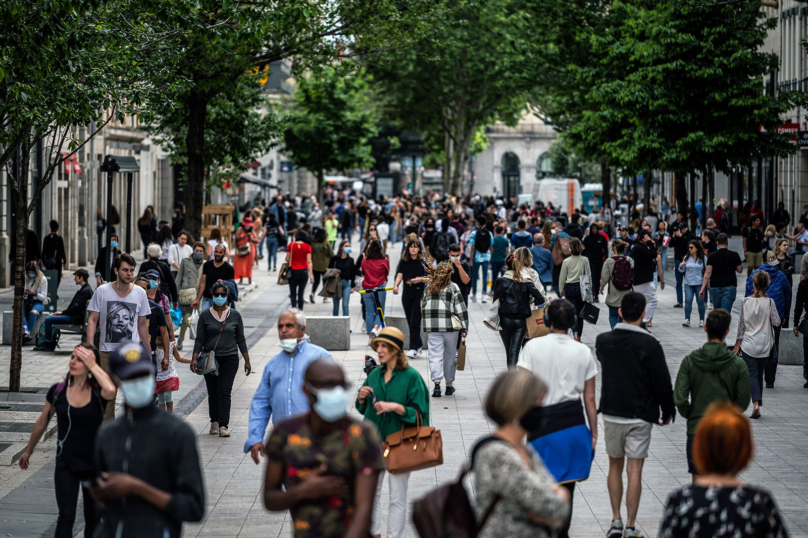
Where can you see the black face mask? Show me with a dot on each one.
(532, 420)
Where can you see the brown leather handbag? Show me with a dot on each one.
(413, 449)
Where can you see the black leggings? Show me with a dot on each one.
(411, 301)
(771, 366)
(67, 484)
(564, 531)
(219, 389)
(317, 276)
(572, 293)
(512, 334)
(298, 278)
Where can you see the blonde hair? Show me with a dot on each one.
(778, 243)
(511, 395)
(440, 278)
(524, 255)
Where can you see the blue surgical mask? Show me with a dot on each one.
(331, 404)
(152, 284)
(32, 275)
(219, 301)
(114, 244)
(138, 392)
(347, 250)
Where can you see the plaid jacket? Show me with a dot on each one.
(437, 310)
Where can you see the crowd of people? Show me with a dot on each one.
(530, 262)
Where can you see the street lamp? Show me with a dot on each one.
(111, 165)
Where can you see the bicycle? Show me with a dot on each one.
(379, 308)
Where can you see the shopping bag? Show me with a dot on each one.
(283, 274)
(535, 324)
(176, 316)
(586, 288)
(491, 319)
(461, 355)
(589, 313)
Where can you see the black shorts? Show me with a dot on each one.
(691, 465)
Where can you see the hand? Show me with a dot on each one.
(736, 349)
(395, 290)
(352, 290)
(194, 305)
(561, 491)
(463, 334)
(662, 286)
(86, 356)
(796, 331)
(113, 486)
(57, 313)
(666, 422)
(594, 442)
(247, 367)
(176, 305)
(311, 280)
(23, 461)
(385, 407)
(193, 365)
(701, 294)
(164, 364)
(364, 392)
(316, 485)
(256, 451)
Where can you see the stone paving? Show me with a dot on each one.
(233, 481)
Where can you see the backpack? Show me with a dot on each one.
(55, 335)
(446, 511)
(561, 250)
(622, 275)
(442, 243)
(482, 241)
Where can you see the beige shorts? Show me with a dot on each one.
(627, 440)
(754, 259)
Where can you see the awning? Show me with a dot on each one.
(71, 161)
(255, 180)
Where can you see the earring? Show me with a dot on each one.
(89, 376)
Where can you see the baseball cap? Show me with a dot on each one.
(130, 360)
(771, 258)
(152, 273)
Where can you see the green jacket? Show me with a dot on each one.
(710, 374)
(406, 387)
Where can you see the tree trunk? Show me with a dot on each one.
(704, 180)
(711, 196)
(15, 369)
(606, 182)
(448, 150)
(633, 205)
(692, 214)
(647, 182)
(680, 180)
(195, 147)
(320, 186)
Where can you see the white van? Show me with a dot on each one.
(564, 194)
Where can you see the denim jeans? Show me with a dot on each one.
(475, 271)
(50, 321)
(680, 277)
(614, 317)
(723, 297)
(371, 315)
(346, 298)
(29, 318)
(272, 252)
(497, 270)
(690, 293)
(261, 246)
(206, 304)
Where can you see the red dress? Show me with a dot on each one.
(243, 265)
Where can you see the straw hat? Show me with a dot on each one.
(390, 336)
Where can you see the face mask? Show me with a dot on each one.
(347, 250)
(138, 393)
(531, 421)
(152, 284)
(289, 345)
(197, 256)
(219, 301)
(32, 275)
(114, 244)
(331, 404)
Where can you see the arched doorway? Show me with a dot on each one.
(510, 175)
(544, 167)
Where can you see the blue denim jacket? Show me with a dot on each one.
(693, 270)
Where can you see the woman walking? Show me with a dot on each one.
(274, 235)
(569, 279)
(78, 403)
(784, 263)
(596, 248)
(147, 228)
(529, 502)
(693, 267)
(246, 239)
(298, 258)
(755, 338)
(53, 252)
(165, 239)
(321, 254)
(391, 398)
(36, 297)
(187, 281)
(343, 262)
(216, 240)
(221, 329)
(662, 239)
(444, 315)
(412, 271)
(258, 227)
(376, 268)
(514, 293)
(617, 274)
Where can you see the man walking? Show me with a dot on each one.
(323, 466)
(481, 242)
(711, 373)
(753, 245)
(120, 310)
(720, 274)
(542, 261)
(213, 271)
(680, 240)
(635, 386)
(521, 238)
(280, 392)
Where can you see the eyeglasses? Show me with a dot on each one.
(220, 294)
(691, 248)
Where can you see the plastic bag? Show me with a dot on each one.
(176, 316)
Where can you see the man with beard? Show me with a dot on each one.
(213, 271)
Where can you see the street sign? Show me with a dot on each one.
(286, 166)
(802, 139)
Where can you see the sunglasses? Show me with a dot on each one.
(220, 294)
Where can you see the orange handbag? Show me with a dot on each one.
(413, 449)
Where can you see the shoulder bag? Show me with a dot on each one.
(413, 449)
(188, 295)
(206, 360)
(244, 249)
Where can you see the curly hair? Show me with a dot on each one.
(440, 278)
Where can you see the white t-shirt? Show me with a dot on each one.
(118, 316)
(561, 362)
(176, 253)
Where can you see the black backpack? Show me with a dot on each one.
(482, 241)
(442, 243)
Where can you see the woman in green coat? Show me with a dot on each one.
(392, 396)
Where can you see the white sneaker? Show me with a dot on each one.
(701, 323)
(412, 353)
(686, 323)
(376, 331)
(485, 299)
(420, 350)
(473, 298)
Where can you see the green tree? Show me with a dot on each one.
(566, 161)
(330, 125)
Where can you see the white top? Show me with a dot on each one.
(758, 316)
(41, 291)
(165, 247)
(383, 229)
(561, 362)
(118, 316)
(162, 375)
(212, 243)
(176, 253)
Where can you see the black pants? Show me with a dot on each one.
(219, 389)
(411, 301)
(572, 293)
(67, 484)
(564, 531)
(512, 334)
(771, 366)
(556, 275)
(298, 278)
(805, 357)
(317, 276)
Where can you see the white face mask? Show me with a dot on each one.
(289, 345)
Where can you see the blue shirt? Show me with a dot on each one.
(280, 393)
(542, 263)
(481, 257)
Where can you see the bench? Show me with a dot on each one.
(69, 328)
(330, 332)
(400, 322)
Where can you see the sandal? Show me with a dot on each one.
(650, 323)
(755, 415)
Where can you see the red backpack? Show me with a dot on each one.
(622, 274)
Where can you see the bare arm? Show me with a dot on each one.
(92, 323)
(309, 267)
(591, 409)
(365, 491)
(143, 330)
(708, 272)
(39, 429)
(196, 303)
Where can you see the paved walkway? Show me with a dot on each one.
(233, 481)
